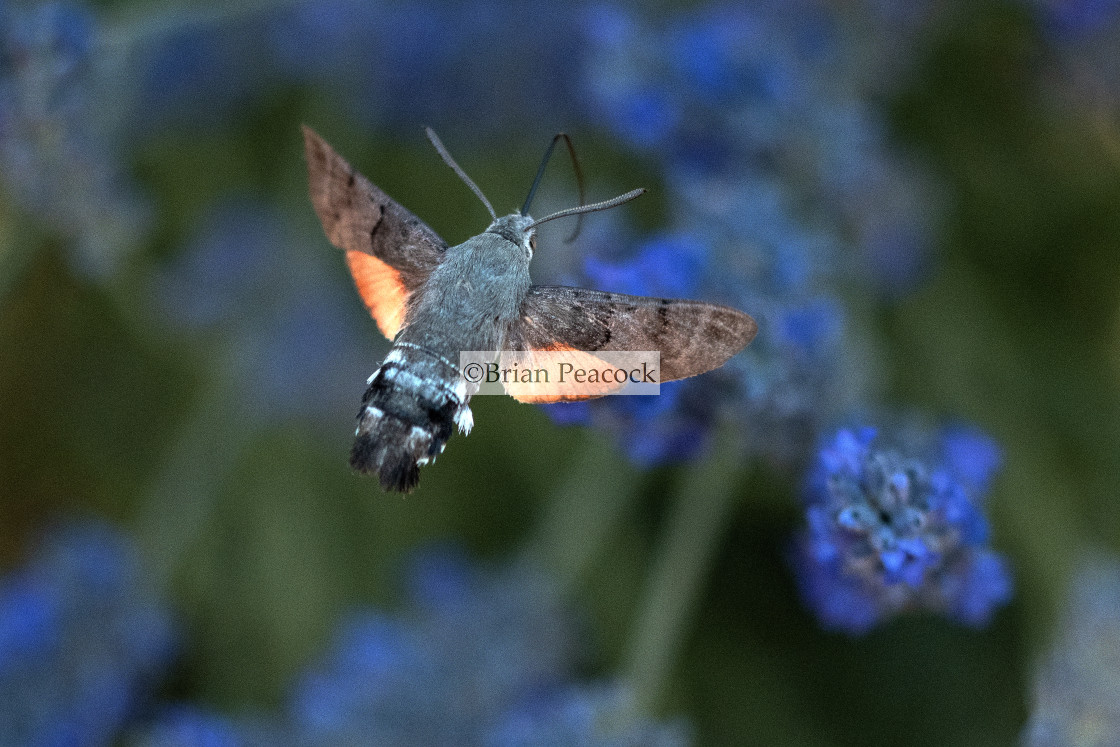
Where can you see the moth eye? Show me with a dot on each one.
(533, 243)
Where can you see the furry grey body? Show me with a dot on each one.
(474, 296)
(414, 400)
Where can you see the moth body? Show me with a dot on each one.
(416, 399)
(434, 301)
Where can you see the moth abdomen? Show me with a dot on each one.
(410, 409)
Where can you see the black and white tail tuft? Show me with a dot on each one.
(410, 409)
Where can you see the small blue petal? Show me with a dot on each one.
(665, 265)
(972, 456)
(440, 577)
(609, 25)
(983, 586)
(839, 602)
(892, 560)
(188, 726)
(703, 54)
(31, 620)
(810, 328)
(374, 645)
(1073, 19)
(569, 413)
(645, 116)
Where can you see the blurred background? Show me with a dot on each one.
(916, 201)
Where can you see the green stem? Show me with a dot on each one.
(583, 511)
(703, 506)
(185, 491)
(17, 251)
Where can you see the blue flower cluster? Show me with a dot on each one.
(412, 53)
(1077, 686)
(479, 657)
(69, 97)
(363, 56)
(469, 647)
(196, 71)
(58, 125)
(744, 101)
(1070, 20)
(288, 332)
(889, 531)
(484, 658)
(184, 725)
(778, 171)
(83, 640)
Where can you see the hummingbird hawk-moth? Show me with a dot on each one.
(434, 301)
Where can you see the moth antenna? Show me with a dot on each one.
(458, 170)
(592, 208)
(540, 174)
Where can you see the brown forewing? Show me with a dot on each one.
(389, 250)
(692, 336)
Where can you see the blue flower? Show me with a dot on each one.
(888, 533)
(477, 657)
(413, 54)
(651, 430)
(769, 93)
(190, 726)
(1076, 700)
(444, 670)
(674, 424)
(804, 330)
(646, 116)
(59, 139)
(1072, 19)
(596, 714)
(361, 56)
(293, 338)
(664, 265)
(198, 73)
(782, 187)
(971, 456)
(83, 639)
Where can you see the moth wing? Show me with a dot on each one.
(531, 386)
(389, 250)
(692, 336)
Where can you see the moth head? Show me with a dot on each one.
(518, 229)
